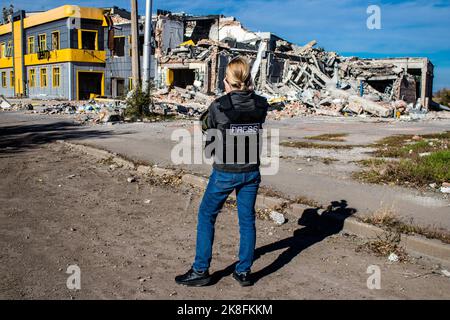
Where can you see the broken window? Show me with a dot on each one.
(197, 30)
(140, 46)
(55, 40)
(119, 46)
(42, 42)
(118, 87)
(183, 77)
(9, 49)
(382, 86)
(87, 40)
(417, 74)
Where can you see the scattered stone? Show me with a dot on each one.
(71, 176)
(148, 201)
(445, 273)
(277, 217)
(131, 179)
(445, 188)
(4, 104)
(393, 257)
(424, 154)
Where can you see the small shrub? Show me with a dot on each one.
(139, 103)
(443, 97)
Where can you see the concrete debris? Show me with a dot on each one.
(445, 188)
(393, 257)
(277, 217)
(192, 52)
(297, 80)
(131, 179)
(4, 104)
(94, 111)
(445, 272)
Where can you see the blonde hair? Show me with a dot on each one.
(238, 74)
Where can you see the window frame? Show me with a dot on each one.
(39, 42)
(41, 77)
(3, 79)
(31, 42)
(2, 49)
(124, 46)
(32, 77)
(80, 38)
(59, 39)
(11, 79)
(53, 77)
(9, 46)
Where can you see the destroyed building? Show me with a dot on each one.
(78, 53)
(196, 50)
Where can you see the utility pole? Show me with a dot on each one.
(134, 43)
(147, 46)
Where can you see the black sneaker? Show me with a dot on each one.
(244, 279)
(193, 278)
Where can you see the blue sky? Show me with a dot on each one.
(419, 28)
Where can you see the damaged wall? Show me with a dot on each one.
(305, 75)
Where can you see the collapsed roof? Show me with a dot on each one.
(192, 53)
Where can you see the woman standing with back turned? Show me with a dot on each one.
(238, 113)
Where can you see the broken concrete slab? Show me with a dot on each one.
(4, 103)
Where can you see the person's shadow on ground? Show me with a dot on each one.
(315, 229)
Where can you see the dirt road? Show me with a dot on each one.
(61, 208)
(301, 173)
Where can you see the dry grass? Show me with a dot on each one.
(263, 213)
(165, 180)
(422, 160)
(328, 161)
(384, 245)
(335, 137)
(270, 192)
(401, 146)
(307, 202)
(388, 220)
(107, 161)
(415, 172)
(312, 145)
(230, 204)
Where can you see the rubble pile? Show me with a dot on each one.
(324, 83)
(193, 51)
(84, 112)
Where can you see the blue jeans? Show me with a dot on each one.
(220, 185)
